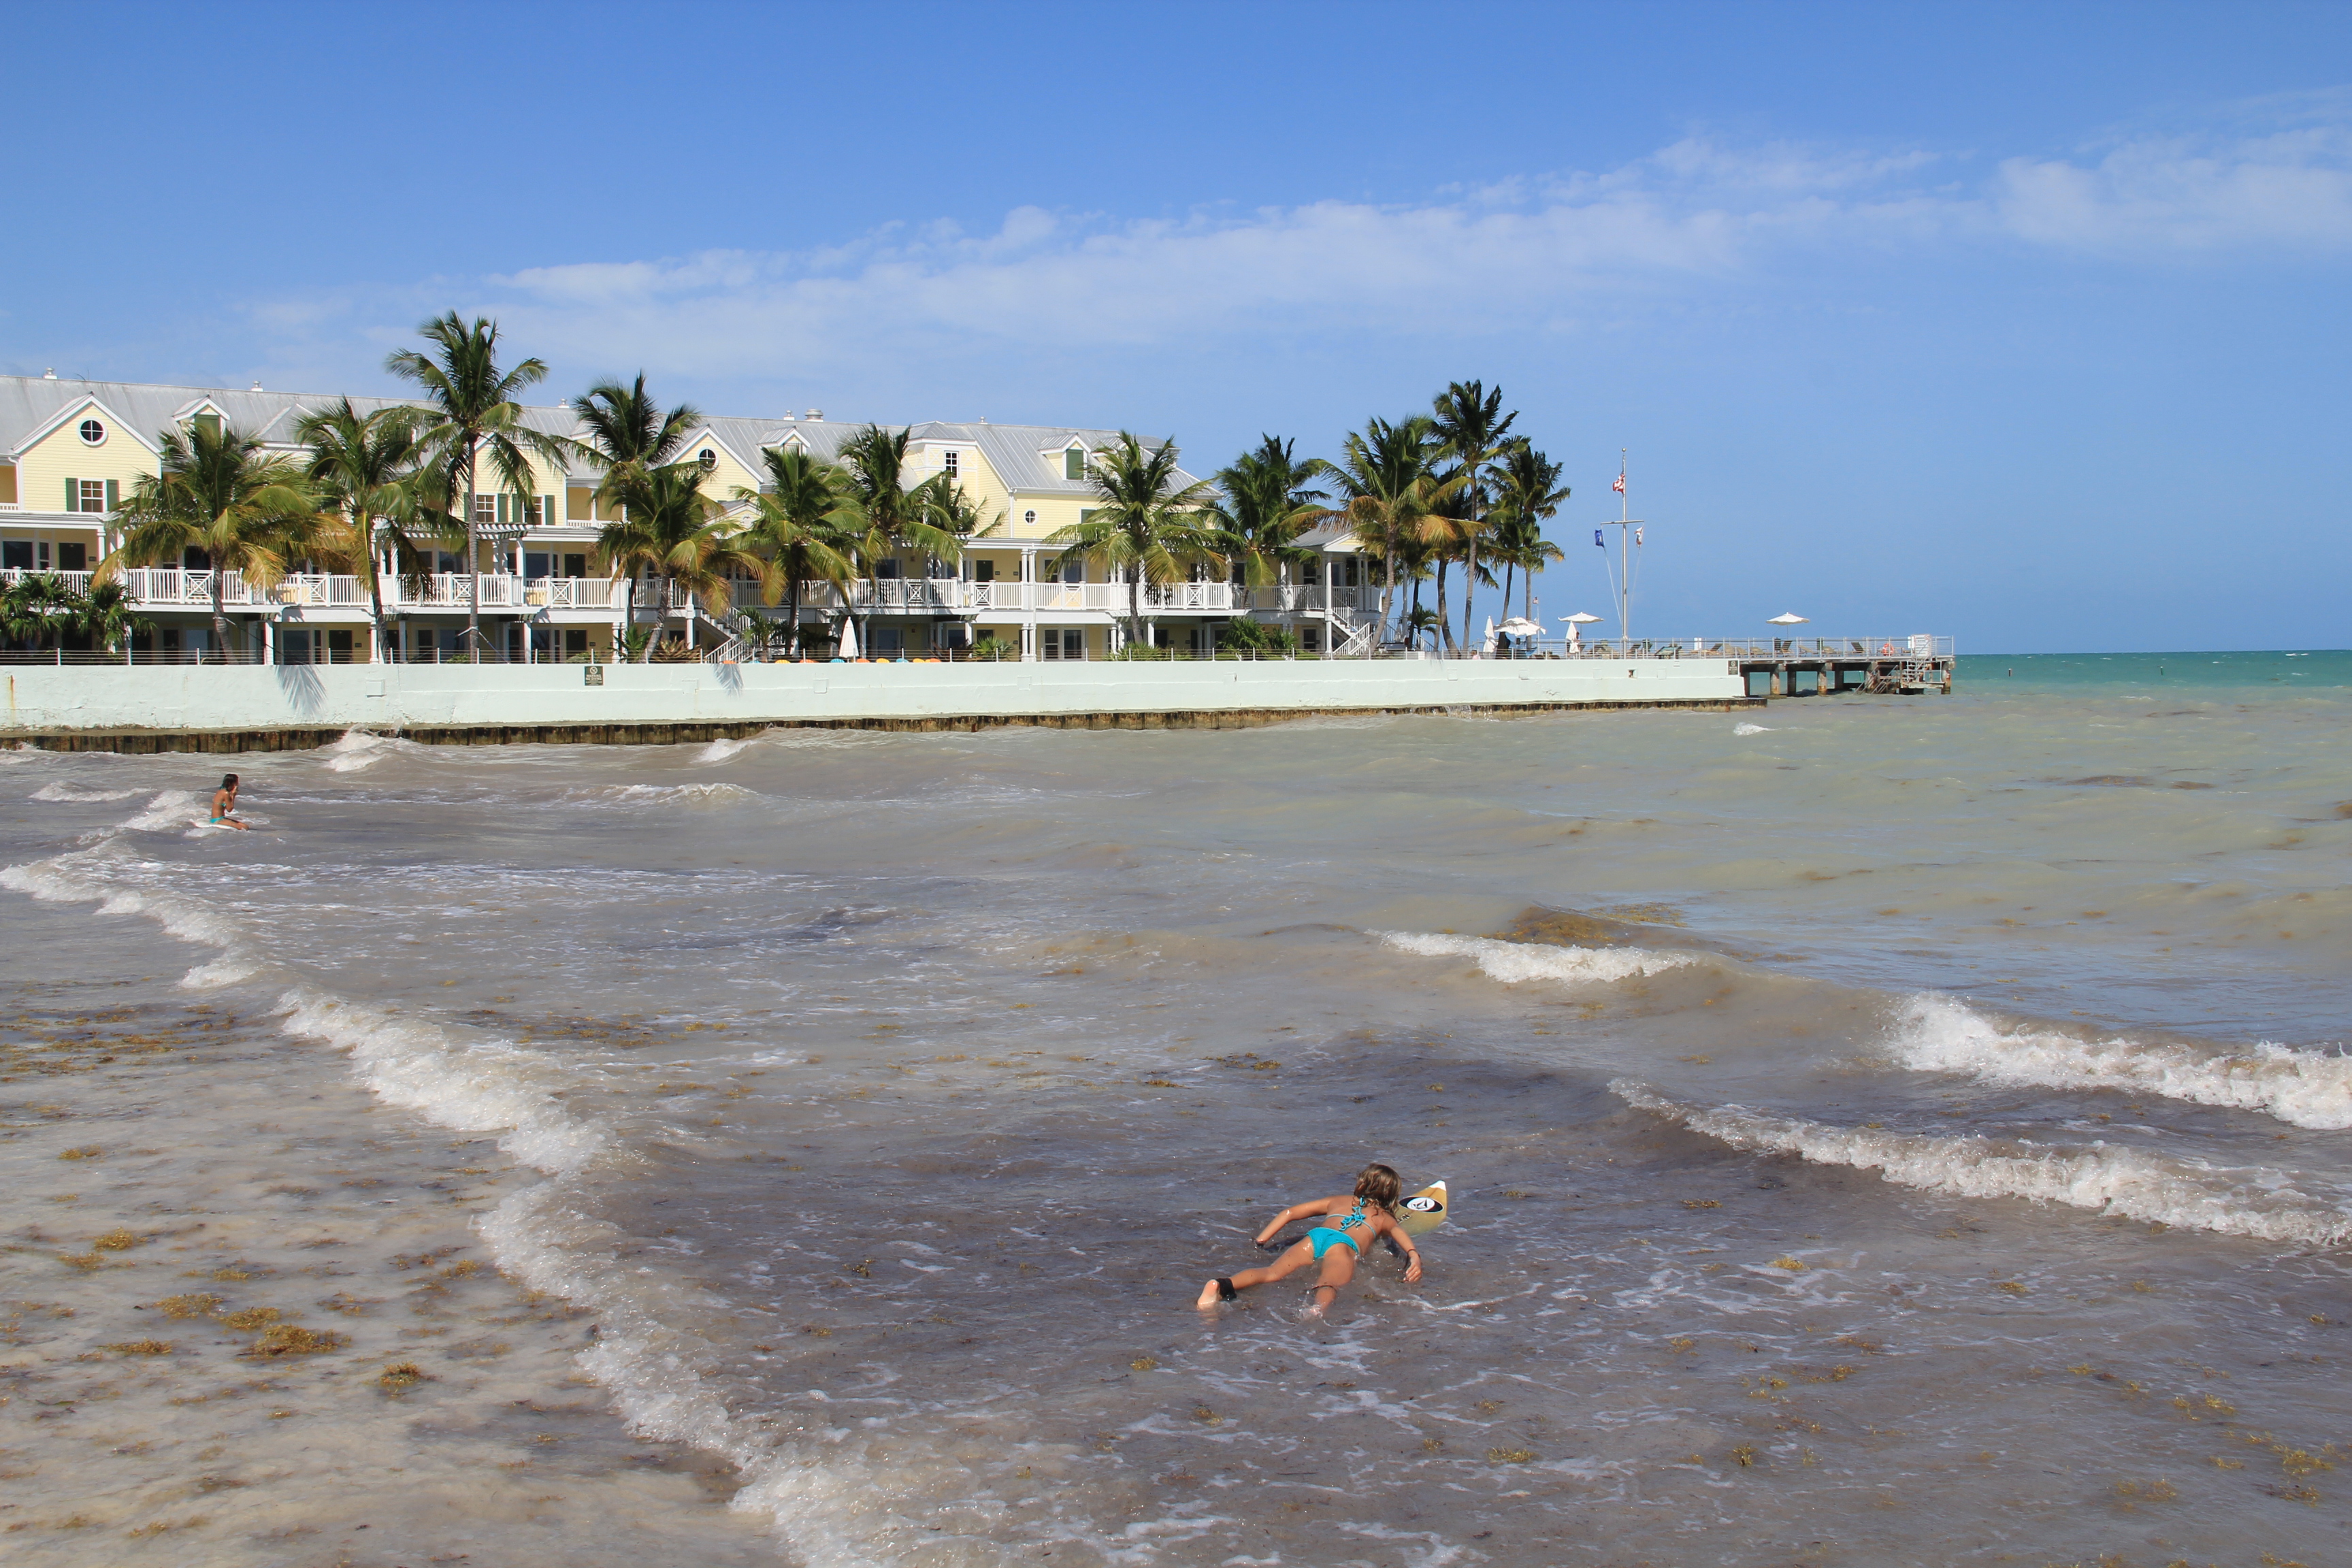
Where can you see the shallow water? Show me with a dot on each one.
(1882, 1131)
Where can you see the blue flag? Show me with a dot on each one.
(1596, 538)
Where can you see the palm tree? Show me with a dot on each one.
(39, 607)
(674, 531)
(1265, 500)
(887, 514)
(803, 521)
(367, 468)
(1470, 423)
(1527, 491)
(106, 615)
(217, 491)
(471, 413)
(1144, 525)
(627, 433)
(1387, 490)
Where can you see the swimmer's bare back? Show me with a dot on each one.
(224, 803)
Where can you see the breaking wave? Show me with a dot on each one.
(1513, 962)
(2305, 1088)
(67, 792)
(2247, 1200)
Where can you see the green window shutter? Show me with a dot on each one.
(113, 495)
(547, 511)
(503, 498)
(1074, 464)
(73, 494)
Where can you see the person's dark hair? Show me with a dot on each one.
(1379, 1184)
(229, 781)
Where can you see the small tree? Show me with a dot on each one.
(803, 522)
(38, 608)
(366, 469)
(628, 434)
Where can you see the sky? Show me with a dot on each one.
(2027, 325)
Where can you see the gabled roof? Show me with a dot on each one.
(1026, 458)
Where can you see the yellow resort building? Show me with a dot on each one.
(70, 451)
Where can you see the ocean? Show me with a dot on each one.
(1881, 1131)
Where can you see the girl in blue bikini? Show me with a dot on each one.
(1369, 1212)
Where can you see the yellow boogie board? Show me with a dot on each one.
(1424, 1211)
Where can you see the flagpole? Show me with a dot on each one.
(1624, 559)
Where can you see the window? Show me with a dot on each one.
(1061, 642)
(210, 424)
(485, 509)
(1074, 463)
(575, 642)
(72, 557)
(951, 470)
(16, 555)
(886, 570)
(983, 571)
(93, 433)
(194, 560)
(538, 564)
(707, 458)
(575, 566)
(41, 551)
(1074, 571)
(90, 495)
(1028, 520)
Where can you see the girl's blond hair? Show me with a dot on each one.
(1379, 1184)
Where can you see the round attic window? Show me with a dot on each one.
(1029, 518)
(93, 433)
(707, 458)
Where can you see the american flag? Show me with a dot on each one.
(1620, 486)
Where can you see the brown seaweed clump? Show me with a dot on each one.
(292, 1339)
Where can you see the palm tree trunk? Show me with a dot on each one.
(1508, 565)
(1388, 589)
(1444, 625)
(220, 620)
(1469, 580)
(474, 566)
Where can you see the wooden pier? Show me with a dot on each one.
(1823, 666)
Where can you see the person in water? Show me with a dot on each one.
(1367, 1213)
(225, 803)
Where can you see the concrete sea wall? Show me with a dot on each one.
(266, 707)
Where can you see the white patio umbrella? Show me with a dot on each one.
(1521, 626)
(1489, 647)
(1577, 623)
(1789, 619)
(847, 648)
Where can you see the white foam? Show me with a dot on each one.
(472, 1087)
(67, 792)
(704, 793)
(171, 808)
(2250, 1201)
(2305, 1088)
(1751, 728)
(219, 972)
(719, 750)
(1513, 962)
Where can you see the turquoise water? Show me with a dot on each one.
(2326, 668)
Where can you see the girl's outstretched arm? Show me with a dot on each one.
(1307, 1210)
(1411, 1253)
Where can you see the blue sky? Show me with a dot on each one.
(2027, 325)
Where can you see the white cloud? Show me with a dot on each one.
(1520, 256)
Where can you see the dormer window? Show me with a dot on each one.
(1074, 463)
(209, 423)
(93, 433)
(707, 458)
(950, 465)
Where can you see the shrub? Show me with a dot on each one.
(1246, 636)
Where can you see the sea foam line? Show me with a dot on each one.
(1513, 962)
(655, 1375)
(2305, 1088)
(2250, 1201)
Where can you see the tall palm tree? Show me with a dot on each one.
(1470, 422)
(887, 515)
(627, 433)
(217, 491)
(674, 531)
(107, 617)
(470, 414)
(1144, 525)
(1388, 490)
(1527, 492)
(802, 522)
(1265, 500)
(366, 468)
